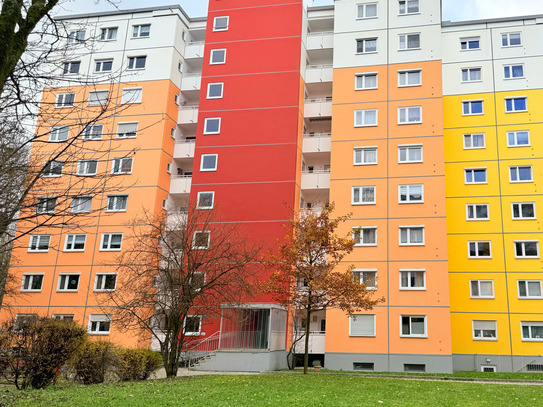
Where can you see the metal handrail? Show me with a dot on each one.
(201, 349)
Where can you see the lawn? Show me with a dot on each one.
(286, 390)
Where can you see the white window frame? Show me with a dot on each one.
(107, 238)
(530, 324)
(202, 162)
(120, 165)
(35, 240)
(479, 295)
(364, 76)
(513, 109)
(137, 31)
(106, 32)
(473, 182)
(61, 289)
(356, 316)
(99, 318)
(516, 169)
(217, 50)
(225, 28)
(30, 278)
(507, 38)
(409, 287)
(193, 333)
(523, 249)
(470, 104)
(408, 199)
(404, 76)
(92, 132)
(363, 122)
(362, 150)
(477, 256)
(528, 296)
(87, 199)
(99, 65)
(76, 36)
(208, 233)
(84, 168)
(49, 166)
(510, 68)
(126, 134)
(408, 148)
(58, 134)
(468, 71)
(43, 204)
(468, 40)
(473, 207)
(68, 66)
(67, 317)
(520, 210)
(408, 229)
(361, 272)
(113, 200)
(411, 335)
(484, 338)
(207, 120)
(470, 137)
(406, 7)
(359, 231)
(361, 202)
(133, 61)
(405, 112)
(209, 85)
(138, 96)
(361, 11)
(102, 289)
(364, 45)
(71, 239)
(199, 196)
(405, 39)
(514, 135)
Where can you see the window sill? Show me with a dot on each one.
(359, 164)
(38, 251)
(486, 339)
(409, 49)
(472, 114)
(362, 203)
(412, 289)
(366, 53)
(477, 220)
(365, 125)
(404, 123)
(357, 89)
(479, 81)
(409, 86)
(98, 333)
(410, 202)
(414, 336)
(31, 291)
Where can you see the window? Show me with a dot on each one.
(408, 7)
(205, 200)
(192, 325)
(408, 41)
(66, 317)
(523, 210)
(46, 204)
(365, 156)
(212, 125)
(409, 154)
(367, 10)
(532, 331)
(366, 45)
(517, 104)
(81, 204)
(214, 90)
(200, 239)
(99, 324)
(24, 320)
(75, 242)
(105, 282)
(471, 74)
(472, 107)
(53, 169)
(414, 367)
(220, 23)
(71, 67)
(208, 162)
(98, 97)
(365, 81)
(475, 176)
(76, 36)
(479, 249)
(172, 133)
(218, 56)
(122, 165)
(169, 167)
(365, 236)
(111, 241)
(366, 366)
(527, 249)
(470, 43)
(65, 100)
(32, 282)
(87, 167)
(410, 115)
(413, 326)
(141, 31)
(412, 279)
(366, 277)
(39, 243)
(127, 130)
(103, 65)
(411, 235)
(366, 117)
(68, 282)
(131, 95)
(518, 138)
(529, 289)
(363, 195)
(477, 212)
(474, 140)
(137, 62)
(60, 133)
(485, 331)
(93, 132)
(362, 325)
(410, 78)
(108, 34)
(511, 40)
(481, 288)
(411, 193)
(116, 203)
(513, 71)
(520, 173)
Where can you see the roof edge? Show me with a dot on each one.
(491, 20)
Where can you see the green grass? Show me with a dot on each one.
(286, 390)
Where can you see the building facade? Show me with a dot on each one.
(426, 131)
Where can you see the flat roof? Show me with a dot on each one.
(490, 20)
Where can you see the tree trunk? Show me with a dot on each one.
(306, 350)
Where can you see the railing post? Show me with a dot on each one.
(220, 330)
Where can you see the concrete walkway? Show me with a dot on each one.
(185, 372)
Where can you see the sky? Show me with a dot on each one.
(453, 10)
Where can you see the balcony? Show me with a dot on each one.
(321, 107)
(180, 185)
(191, 82)
(318, 74)
(316, 180)
(320, 40)
(176, 219)
(194, 50)
(316, 343)
(184, 149)
(187, 115)
(317, 143)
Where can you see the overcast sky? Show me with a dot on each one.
(453, 10)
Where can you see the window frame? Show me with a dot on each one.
(56, 132)
(211, 54)
(364, 75)
(474, 208)
(353, 202)
(84, 165)
(124, 134)
(76, 36)
(364, 42)
(128, 101)
(137, 29)
(530, 338)
(469, 40)
(30, 277)
(132, 63)
(100, 63)
(408, 148)
(121, 161)
(43, 206)
(408, 200)
(515, 138)
(69, 65)
(363, 7)
(363, 149)
(73, 237)
(207, 120)
(208, 233)
(360, 335)
(209, 85)
(99, 318)
(484, 338)
(405, 110)
(409, 287)
(507, 38)
(520, 211)
(361, 272)
(411, 335)
(49, 166)
(470, 104)
(198, 197)
(477, 256)
(523, 246)
(479, 295)
(202, 169)
(98, 99)
(115, 198)
(104, 290)
(105, 31)
(64, 289)
(468, 71)
(363, 122)
(38, 238)
(511, 76)
(358, 236)
(471, 141)
(406, 73)
(109, 242)
(193, 333)
(405, 38)
(473, 182)
(89, 133)
(408, 228)
(516, 169)
(528, 296)
(512, 99)
(83, 198)
(225, 28)
(406, 6)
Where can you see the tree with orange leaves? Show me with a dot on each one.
(304, 265)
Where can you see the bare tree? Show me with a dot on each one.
(176, 270)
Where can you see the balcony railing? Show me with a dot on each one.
(318, 107)
(316, 180)
(318, 73)
(184, 149)
(316, 342)
(317, 143)
(194, 50)
(187, 115)
(180, 184)
(320, 40)
(190, 82)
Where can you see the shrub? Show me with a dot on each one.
(137, 364)
(95, 362)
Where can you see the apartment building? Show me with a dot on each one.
(426, 131)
